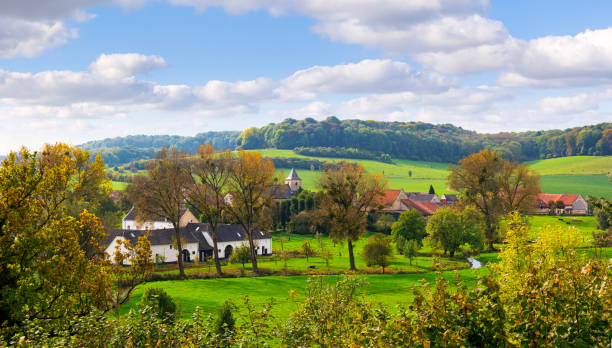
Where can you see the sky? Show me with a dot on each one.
(79, 70)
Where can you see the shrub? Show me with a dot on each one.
(377, 251)
(224, 324)
(161, 303)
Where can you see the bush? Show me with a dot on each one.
(377, 251)
(224, 324)
(343, 152)
(161, 303)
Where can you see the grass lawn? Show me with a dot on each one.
(210, 294)
(119, 186)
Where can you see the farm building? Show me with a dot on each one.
(563, 204)
(129, 221)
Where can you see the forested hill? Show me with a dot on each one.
(120, 150)
(356, 139)
(429, 142)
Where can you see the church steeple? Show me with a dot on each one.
(293, 180)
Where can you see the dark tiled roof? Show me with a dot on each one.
(280, 191)
(131, 215)
(451, 198)
(189, 234)
(421, 196)
(231, 232)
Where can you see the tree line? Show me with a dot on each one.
(429, 142)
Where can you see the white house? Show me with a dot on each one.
(196, 241)
(129, 221)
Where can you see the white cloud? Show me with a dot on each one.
(19, 37)
(366, 76)
(573, 104)
(125, 65)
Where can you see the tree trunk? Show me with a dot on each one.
(253, 253)
(216, 251)
(351, 256)
(452, 253)
(179, 246)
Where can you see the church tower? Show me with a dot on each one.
(294, 181)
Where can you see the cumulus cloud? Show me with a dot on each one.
(366, 76)
(19, 37)
(125, 65)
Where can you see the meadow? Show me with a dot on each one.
(585, 175)
(393, 288)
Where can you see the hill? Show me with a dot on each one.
(585, 175)
(372, 139)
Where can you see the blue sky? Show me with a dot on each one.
(78, 70)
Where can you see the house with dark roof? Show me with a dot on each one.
(571, 204)
(196, 241)
(449, 199)
(424, 197)
(279, 192)
(129, 221)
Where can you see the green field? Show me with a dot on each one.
(585, 175)
(210, 294)
(573, 165)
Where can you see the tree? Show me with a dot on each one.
(431, 190)
(349, 192)
(445, 229)
(207, 197)
(603, 219)
(495, 186)
(407, 247)
(410, 226)
(307, 249)
(161, 194)
(163, 304)
(225, 322)
(251, 177)
(377, 251)
(241, 254)
(52, 266)
(450, 228)
(552, 207)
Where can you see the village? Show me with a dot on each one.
(197, 239)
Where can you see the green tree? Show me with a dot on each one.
(349, 192)
(377, 251)
(431, 190)
(163, 304)
(407, 247)
(241, 254)
(445, 229)
(410, 226)
(225, 322)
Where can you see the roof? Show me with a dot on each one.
(566, 199)
(425, 208)
(293, 175)
(450, 197)
(189, 234)
(389, 197)
(230, 232)
(421, 196)
(131, 215)
(280, 191)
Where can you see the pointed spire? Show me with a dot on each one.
(293, 175)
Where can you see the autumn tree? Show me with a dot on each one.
(250, 180)
(52, 266)
(450, 228)
(349, 193)
(161, 193)
(207, 195)
(495, 185)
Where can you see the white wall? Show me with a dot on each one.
(259, 245)
(166, 250)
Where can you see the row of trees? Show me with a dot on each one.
(423, 141)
